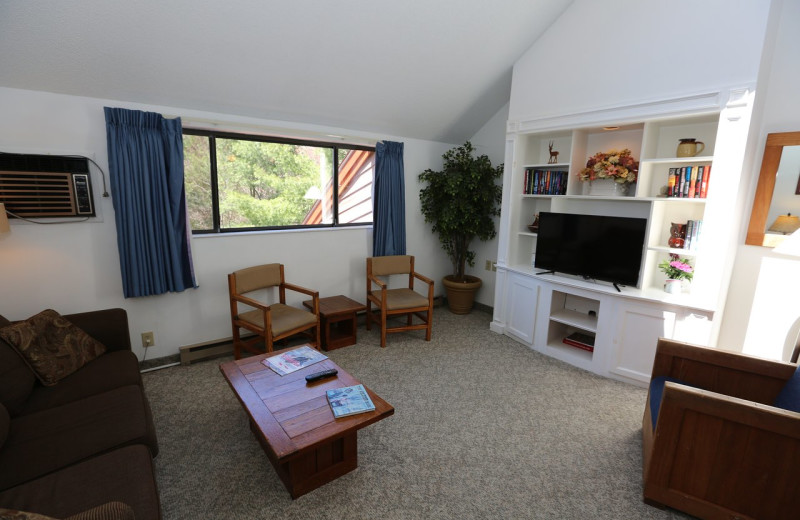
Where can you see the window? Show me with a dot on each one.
(238, 182)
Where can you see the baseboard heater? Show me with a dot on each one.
(207, 350)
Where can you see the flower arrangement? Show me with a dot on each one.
(617, 165)
(677, 268)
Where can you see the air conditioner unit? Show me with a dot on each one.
(46, 186)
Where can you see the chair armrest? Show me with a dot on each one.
(251, 302)
(297, 288)
(376, 281)
(725, 372)
(423, 278)
(712, 455)
(108, 326)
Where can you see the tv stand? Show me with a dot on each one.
(546, 272)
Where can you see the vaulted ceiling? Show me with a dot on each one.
(427, 69)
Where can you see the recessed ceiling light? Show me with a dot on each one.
(610, 128)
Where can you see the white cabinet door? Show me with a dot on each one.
(638, 328)
(521, 307)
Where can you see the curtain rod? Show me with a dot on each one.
(275, 131)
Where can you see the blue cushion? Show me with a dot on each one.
(789, 398)
(656, 391)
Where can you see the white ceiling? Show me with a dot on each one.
(427, 69)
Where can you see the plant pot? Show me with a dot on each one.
(608, 188)
(673, 286)
(461, 295)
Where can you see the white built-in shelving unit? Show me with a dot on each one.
(540, 310)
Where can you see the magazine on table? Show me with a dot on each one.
(349, 400)
(294, 360)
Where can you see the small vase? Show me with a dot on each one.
(607, 188)
(672, 286)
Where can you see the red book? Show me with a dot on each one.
(581, 341)
(706, 179)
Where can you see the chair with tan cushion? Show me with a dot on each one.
(398, 301)
(269, 322)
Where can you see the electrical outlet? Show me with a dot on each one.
(148, 340)
(488, 265)
(494, 266)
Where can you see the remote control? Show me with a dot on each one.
(316, 376)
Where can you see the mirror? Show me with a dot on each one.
(778, 191)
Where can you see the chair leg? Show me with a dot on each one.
(318, 344)
(429, 322)
(383, 327)
(237, 343)
(368, 315)
(268, 342)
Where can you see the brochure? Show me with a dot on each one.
(294, 360)
(349, 400)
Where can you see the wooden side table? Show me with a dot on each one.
(338, 320)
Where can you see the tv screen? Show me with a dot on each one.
(592, 246)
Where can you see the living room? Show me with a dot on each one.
(653, 52)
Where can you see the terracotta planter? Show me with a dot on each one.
(461, 295)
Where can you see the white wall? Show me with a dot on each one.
(489, 140)
(603, 54)
(75, 267)
(763, 301)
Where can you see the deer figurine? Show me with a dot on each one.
(553, 155)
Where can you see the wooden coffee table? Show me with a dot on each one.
(338, 320)
(294, 423)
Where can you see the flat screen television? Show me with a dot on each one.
(595, 247)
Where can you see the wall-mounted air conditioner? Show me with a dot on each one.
(46, 186)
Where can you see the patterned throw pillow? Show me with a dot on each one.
(51, 345)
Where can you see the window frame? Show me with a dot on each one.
(212, 135)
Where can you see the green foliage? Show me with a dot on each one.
(461, 201)
(260, 184)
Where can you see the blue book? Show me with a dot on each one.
(349, 400)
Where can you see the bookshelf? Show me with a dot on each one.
(625, 324)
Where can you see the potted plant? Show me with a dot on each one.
(616, 167)
(461, 201)
(676, 269)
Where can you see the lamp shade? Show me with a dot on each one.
(4, 225)
(785, 224)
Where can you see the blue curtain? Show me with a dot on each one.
(145, 160)
(389, 214)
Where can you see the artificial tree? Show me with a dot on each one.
(461, 202)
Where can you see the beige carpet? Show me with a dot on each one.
(483, 428)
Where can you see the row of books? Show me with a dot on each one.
(689, 182)
(693, 229)
(545, 182)
(581, 341)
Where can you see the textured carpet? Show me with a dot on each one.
(483, 428)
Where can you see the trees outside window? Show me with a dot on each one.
(239, 182)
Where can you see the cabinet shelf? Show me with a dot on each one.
(575, 319)
(671, 250)
(678, 160)
(559, 166)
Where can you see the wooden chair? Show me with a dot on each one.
(394, 302)
(269, 323)
(714, 445)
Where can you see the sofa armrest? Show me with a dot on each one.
(722, 371)
(108, 326)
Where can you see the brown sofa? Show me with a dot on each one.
(84, 446)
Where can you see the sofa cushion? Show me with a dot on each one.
(13, 514)
(51, 345)
(107, 372)
(656, 392)
(5, 424)
(108, 511)
(52, 439)
(123, 475)
(789, 398)
(16, 378)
